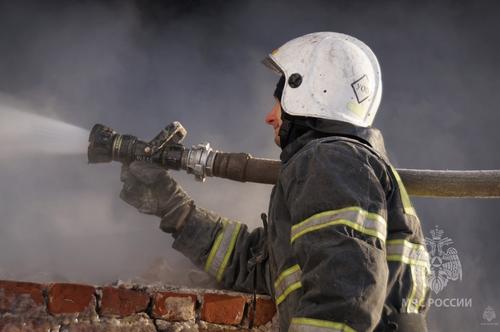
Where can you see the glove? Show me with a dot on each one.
(151, 190)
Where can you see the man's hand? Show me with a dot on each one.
(151, 190)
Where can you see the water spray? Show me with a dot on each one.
(106, 145)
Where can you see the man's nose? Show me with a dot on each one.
(270, 119)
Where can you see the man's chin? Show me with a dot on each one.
(277, 141)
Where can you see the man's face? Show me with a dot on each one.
(273, 118)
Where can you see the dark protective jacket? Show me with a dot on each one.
(343, 250)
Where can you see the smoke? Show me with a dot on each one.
(137, 66)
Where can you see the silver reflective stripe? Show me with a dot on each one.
(287, 282)
(418, 290)
(354, 217)
(407, 252)
(301, 324)
(416, 256)
(222, 248)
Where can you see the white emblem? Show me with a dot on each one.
(445, 264)
(489, 314)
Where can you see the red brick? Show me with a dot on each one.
(174, 306)
(11, 293)
(70, 298)
(265, 310)
(123, 302)
(223, 309)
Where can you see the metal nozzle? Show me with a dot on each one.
(101, 141)
(199, 161)
(106, 145)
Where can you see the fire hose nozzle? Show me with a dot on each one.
(106, 145)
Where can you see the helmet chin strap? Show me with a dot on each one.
(286, 120)
(280, 85)
(285, 130)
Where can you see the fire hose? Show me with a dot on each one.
(106, 145)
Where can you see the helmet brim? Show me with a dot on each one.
(271, 64)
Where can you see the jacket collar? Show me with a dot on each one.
(325, 128)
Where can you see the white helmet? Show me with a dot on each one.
(329, 75)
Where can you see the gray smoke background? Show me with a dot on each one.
(137, 66)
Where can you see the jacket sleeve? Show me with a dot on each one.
(338, 210)
(226, 250)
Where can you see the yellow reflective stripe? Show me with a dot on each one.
(286, 273)
(355, 217)
(369, 215)
(287, 292)
(300, 324)
(222, 248)
(340, 222)
(287, 282)
(406, 252)
(405, 198)
(213, 251)
(228, 252)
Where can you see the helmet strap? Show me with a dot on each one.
(278, 91)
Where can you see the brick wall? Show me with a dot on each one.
(26, 306)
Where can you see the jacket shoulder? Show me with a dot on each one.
(323, 149)
(334, 154)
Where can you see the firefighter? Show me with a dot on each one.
(343, 248)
